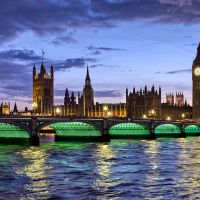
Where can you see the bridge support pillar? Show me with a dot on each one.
(182, 129)
(34, 133)
(152, 129)
(105, 133)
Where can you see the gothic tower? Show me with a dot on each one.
(88, 94)
(196, 85)
(43, 84)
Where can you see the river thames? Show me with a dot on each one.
(121, 169)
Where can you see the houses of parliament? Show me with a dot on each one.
(143, 103)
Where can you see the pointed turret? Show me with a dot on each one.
(134, 90)
(145, 89)
(197, 58)
(42, 69)
(153, 89)
(34, 70)
(126, 92)
(15, 110)
(51, 70)
(66, 99)
(87, 79)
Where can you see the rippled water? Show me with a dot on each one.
(159, 169)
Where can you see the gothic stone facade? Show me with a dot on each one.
(43, 87)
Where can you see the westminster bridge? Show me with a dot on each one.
(14, 129)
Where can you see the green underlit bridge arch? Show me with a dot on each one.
(168, 129)
(12, 131)
(129, 129)
(192, 129)
(78, 129)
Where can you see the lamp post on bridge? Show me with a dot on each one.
(34, 107)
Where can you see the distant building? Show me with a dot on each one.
(43, 90)
(179, 99)
(143, 103)
(170, 99)
(15, 110)
(5, 108)
(147, 104)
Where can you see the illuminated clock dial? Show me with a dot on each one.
(197, 71)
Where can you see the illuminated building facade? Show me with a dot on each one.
(147, 104)
(5, 108)
(143, 103)
(43, 87)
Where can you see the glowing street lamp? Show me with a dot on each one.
(109, 114)
(168, 118)
(105, 110)
(34, 106)
(183, 115)
(58, 111)
(144, 116)
(153, 112)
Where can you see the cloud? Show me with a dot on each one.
(67, 39)
(18, 54)
(97, 50)
(47, 18)
(179, 71)
(108, 93)
(16, 71)
(73, 62)
(175, 71)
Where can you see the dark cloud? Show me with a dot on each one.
(17, 54)
(16, 71)
(175, 71)
(97, 50)
(179, 71)
(60, 40)
(50, 17)
(108, 93)
(73, 62)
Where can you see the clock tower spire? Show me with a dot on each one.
(196, 85)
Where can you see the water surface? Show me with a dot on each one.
(121, 169)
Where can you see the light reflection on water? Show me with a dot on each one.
(121, 169)
(35, 169)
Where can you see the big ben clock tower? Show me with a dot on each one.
(196, 85)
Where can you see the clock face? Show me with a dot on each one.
(197, 71)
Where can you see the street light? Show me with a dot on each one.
(105, 111)
(105, 108)
(144, 116)
(109, 114)
(34, 106)
(168, 118)
(57, 111)
(183, 115)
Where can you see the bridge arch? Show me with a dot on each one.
(167, 129)
(72, 128)
(192, 129)
(128, 129)
(14, 130)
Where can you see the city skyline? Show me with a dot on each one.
(137, 48)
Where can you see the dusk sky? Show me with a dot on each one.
(124, 42)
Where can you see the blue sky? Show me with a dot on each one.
(124, 42)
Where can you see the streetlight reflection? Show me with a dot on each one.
(35, 170)
(105, 156)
